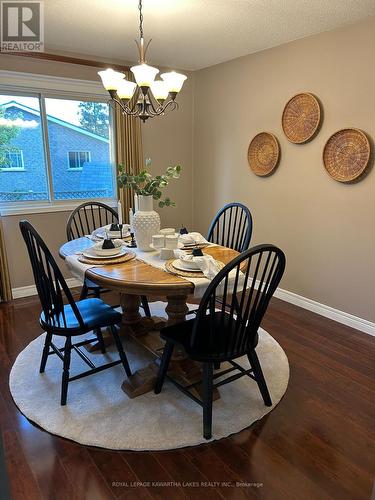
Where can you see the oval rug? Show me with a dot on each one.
(99, 413)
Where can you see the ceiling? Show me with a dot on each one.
(191, 34)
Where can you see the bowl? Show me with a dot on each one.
(101, 232)
(107, 252)
(188, 265)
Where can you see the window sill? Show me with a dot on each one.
(24, 208)
(74, 169)
(16, 169)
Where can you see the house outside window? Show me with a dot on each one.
(76, 159)
(42, 136)
(13, 160)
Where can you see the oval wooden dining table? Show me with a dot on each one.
(133, 279)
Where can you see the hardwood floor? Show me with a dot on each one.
(317, 444)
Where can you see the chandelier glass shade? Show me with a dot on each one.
(146, 97)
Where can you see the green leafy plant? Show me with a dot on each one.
(147, 185)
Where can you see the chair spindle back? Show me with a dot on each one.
(49, 281)
(232, 227)
(87, 217)
(236, 301)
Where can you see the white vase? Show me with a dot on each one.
(146, 223)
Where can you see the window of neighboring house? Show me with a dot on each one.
(13, 160)
(76, 159)
(47, 132)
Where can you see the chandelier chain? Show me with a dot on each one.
(140, 18)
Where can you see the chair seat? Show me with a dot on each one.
(223, 334)
(95, 314)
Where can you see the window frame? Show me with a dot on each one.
(75, 169)
(44, 87)
(15, 169)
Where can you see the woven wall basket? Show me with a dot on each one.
(346, 154)
(301, 118)
(263, 154)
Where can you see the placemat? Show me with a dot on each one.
(187, 274)
(102, 262)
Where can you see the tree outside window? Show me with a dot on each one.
(7, 134)
(93, 116)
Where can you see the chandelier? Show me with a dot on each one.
(147, 97)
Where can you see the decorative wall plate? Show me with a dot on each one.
(263, 153)
(346, 154)
(301, 118)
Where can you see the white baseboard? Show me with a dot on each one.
(28, 291)
(329, 312)
(342, 317)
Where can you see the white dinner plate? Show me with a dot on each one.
(107, 252)
(183, 266)
(90, 254)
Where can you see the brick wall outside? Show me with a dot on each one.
(94, 180)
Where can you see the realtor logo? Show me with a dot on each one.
(22, 26)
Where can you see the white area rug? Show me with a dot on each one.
(98, 412)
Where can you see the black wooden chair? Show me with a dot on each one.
(71, 319)
(223, 334)
(83, 221)
(232, 227)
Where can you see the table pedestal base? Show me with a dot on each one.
(181, 369)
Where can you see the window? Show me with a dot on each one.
(40, 135)
(13, 160)
(78, 158)
(21, 132)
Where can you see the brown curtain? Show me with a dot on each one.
(5, 287)
(129, 152)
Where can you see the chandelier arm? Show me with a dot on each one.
(152, 101)
(134, 107)
(143, 109)
(151, 112)
(135, 98)
(171, 103)
(160, 108)
(164, 108)
(124, 107)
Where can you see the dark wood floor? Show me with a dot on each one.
(317, 444)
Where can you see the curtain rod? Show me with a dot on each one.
(69, 60)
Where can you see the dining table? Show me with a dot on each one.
(131, 280)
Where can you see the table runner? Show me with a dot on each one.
(153, 259)
(78, 269)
